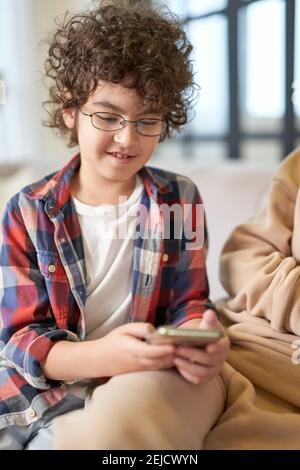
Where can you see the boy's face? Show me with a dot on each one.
(104, 153)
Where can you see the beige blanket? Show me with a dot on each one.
(263, 380)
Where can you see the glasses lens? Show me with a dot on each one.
(113, 122)
(151, 127)
(107, 121)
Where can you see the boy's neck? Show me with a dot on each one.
(101, 192)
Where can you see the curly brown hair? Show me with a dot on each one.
(120, 38)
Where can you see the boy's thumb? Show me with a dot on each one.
(209, 320)
(140, 329)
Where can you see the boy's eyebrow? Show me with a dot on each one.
(109, 105)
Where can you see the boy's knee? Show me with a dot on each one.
(141, 410)
(125, 391)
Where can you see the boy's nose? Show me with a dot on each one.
(128, 135)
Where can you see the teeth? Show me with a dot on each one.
(120, 156)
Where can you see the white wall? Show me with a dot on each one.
(19, 119)
(44, 15)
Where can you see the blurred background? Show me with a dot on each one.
(247, 117)
(246, 61)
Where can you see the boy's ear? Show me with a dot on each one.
(69, 117)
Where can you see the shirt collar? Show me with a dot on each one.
(155, 179)
(56, 189)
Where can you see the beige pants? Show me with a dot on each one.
(143, 410)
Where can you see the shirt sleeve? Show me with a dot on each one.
(191, 290)
(260, 261)
(28, 327)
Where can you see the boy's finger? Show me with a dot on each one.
(138, 329)
(157, 351)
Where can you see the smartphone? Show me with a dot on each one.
(183, 336)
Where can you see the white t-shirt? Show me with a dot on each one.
(108, 240)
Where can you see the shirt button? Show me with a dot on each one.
(165, 258)
(51, 268)
(31, 413)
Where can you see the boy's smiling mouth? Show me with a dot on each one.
(121, 157)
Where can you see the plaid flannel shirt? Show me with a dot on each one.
(44, 281)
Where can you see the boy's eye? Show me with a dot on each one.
(107, 118)
(149, 122)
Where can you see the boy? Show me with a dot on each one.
(78, 298)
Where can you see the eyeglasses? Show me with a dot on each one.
(110, 122)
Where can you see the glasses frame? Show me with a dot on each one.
(124, 122)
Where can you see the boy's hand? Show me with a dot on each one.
(200, 365)
(124, 350)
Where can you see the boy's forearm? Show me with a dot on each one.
(70, 361)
